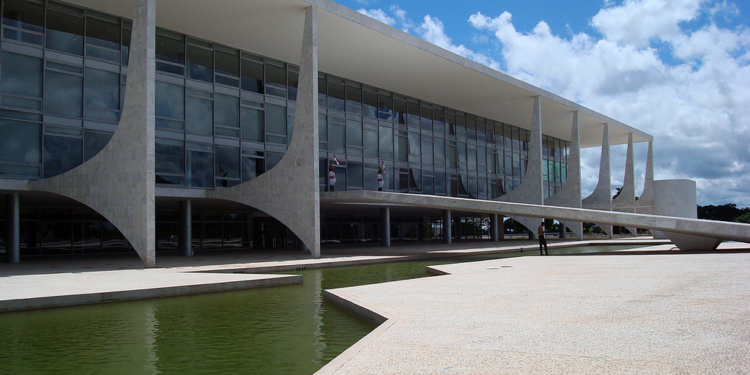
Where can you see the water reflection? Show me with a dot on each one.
(281, 330)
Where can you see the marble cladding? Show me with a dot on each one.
(119, 182)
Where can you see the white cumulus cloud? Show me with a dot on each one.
(696, 104)
(379, 15)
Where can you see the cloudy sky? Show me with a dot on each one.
(676, 69)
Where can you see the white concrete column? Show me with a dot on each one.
(185, 239)
(447, 232)
(625, 201)
(570, 194)
(644, 204)
(12, 228)
(385, 226)
(289, 192)
(531, 189)
(119, 182)
(601, 197)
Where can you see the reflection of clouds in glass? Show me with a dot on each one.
(63, 94)
(19, 142)
(200, 169)
(21, 74)
(199, 118)
(65, 42)
(61, 154)
(102, 89)
(170, 100)
(170, 156)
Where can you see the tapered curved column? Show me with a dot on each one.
(644, 204)
(531, 188)
(289, 192)
(119, 182)
(600, 198)
(570, 194)
(625, 201)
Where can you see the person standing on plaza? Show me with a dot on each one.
(542, 239)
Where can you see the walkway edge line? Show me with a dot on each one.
(141, 294)
(372, 315)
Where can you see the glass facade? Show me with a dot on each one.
(225, 116)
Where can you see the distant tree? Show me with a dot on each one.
(743, 218)
(725, 212)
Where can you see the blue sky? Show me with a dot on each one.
(676, 69)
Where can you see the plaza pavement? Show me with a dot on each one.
(86, 279)
(666, 313)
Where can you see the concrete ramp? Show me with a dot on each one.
(707, 229)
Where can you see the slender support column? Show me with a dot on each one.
(185, 240)
(447, 235)
(531, 189)
(601, 198)
(570, 194)
(625, 201)
(13, 228)
(289, 192)
(385, 226)
(494, 228)
(119, 182)
(644, 204)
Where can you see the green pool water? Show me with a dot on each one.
(280, 330)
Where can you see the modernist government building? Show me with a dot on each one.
(182, 125)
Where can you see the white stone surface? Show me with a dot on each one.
(601, 197)
(570, 194)
(119, 182)
(620, 314)
(289, 192)
(531, 188)
(714, 229)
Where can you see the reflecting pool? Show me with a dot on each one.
(279, 330)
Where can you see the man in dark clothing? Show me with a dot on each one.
(542, 240)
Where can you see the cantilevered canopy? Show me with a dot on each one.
(356, 47)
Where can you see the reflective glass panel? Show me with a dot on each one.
(253, 128)
(336, 138)
(199, 116)
(200, 63)
(170, 49)
(170, 100)
(170, 156)
(200, 172)
(370, 104)
(102, 89)
(401, 148)
(227, 63)
(64, 32)
(21, 74)
(61, 154)
(336, 96)
(439, 147)
(252, 76)
(293, 82)
(371, 143)
(275, 80)
(275, 119)
(440, 183)
(63, 94)
(354, 175)
(227, 110)
(93, 142)
(386, 142)
(20, 142)
(251, 168)
(399, 110)
(354, 133)
(426, 152)
(227, 164)
(24, 15)
(102, 34)
(354, 99)
(272, 158)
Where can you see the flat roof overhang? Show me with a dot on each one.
(356, 47)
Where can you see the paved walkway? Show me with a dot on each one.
(610, 314)
(75, 280)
